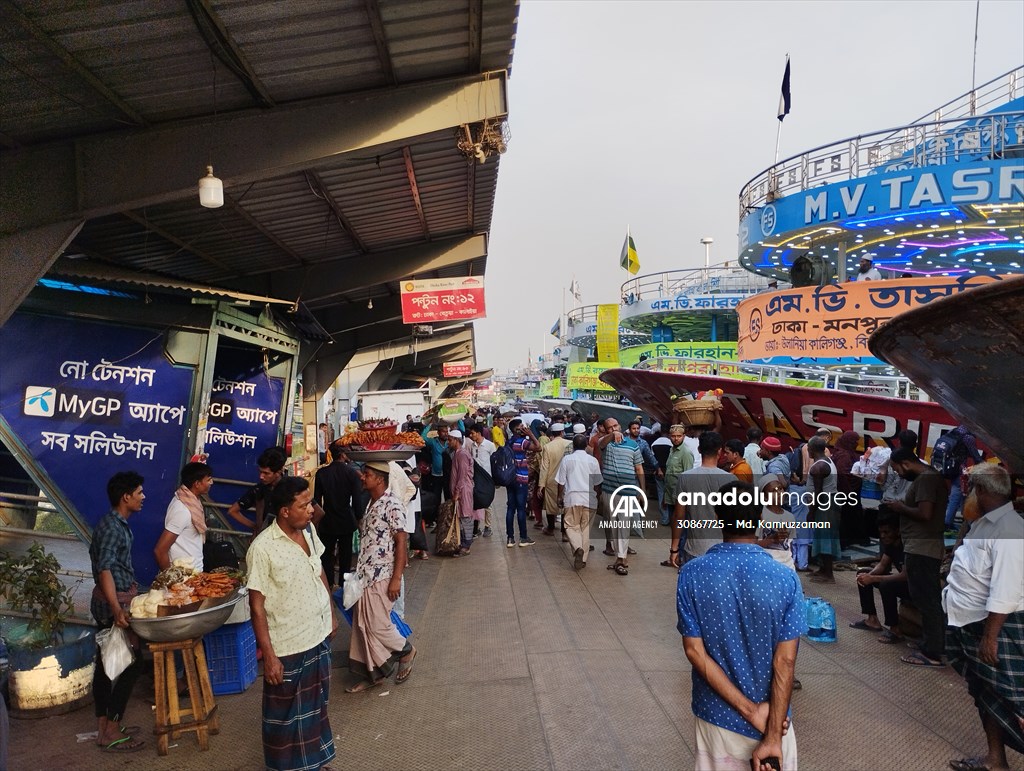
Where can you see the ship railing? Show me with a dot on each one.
(951, 134)
(722, 278)
(867, 384)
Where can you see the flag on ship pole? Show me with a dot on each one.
(628, 259)
(784, 104)
(574, 289)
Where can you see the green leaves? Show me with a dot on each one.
(30, 584)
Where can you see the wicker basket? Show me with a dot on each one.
(699, 413)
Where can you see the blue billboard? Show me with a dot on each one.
(89, 399)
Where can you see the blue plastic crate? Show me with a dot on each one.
(231, 658)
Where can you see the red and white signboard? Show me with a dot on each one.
(457, 369)
(443, 299)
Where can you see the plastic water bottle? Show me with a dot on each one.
(828, 622)
(813, 605)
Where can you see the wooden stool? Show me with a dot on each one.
(203, 714)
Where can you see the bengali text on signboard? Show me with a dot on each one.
(443, 299)
(834, 321)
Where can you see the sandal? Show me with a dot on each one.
(920, 660)
(889, 638)
(630, 551)
(363, 685)
(127, 744)
(666, 564)
(622, 570)
(968, 764)
(608, 552)
(864, 625)
(405, 668)
(817, 578)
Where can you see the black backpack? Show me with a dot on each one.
(483, 487)
(503, 466)
(949, 455)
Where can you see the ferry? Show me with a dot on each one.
(937, 207)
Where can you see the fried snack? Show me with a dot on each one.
(214, 585)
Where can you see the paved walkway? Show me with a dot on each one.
(525, 664)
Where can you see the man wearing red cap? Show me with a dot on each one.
(774, 461)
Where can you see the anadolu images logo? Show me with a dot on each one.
(628, 502)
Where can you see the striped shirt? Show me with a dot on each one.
(519, 445)
(618, 464)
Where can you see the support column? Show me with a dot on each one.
(841, 263)
(26, 256)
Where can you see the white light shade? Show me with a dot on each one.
(211, 190)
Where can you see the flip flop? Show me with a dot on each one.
(130, 730)
(666, 564)
(630, 551)
(864, 625)
(608, 553)
(404, 670)
(621, 570)
(127, 744)
(362, 685)
(920, 660)
(821, 579)
(968, 764)
(888, 638)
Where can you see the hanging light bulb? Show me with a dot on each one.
(369, 305)
(211, 190)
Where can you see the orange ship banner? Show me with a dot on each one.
(827, 324)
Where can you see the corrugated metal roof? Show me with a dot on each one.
(73, 70)
(89, 270)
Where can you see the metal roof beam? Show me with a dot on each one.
(381, 40)
(219, 40)
(377, 343)
(318, 284)
(476, 26)
(140, 220)
(236, 207)
(11, 12)
(410, 172)
(112, 172)
(335, 207)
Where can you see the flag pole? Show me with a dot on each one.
(778, 139)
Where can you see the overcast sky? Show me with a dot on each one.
(655, 114)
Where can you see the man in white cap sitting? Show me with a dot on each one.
(550, 459)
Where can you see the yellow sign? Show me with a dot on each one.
(608, 333)
(583, 376)
(724, 351)
(835, 321)
(550, 387)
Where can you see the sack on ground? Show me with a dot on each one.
(483, 487)
(116, 652)
(448, 533)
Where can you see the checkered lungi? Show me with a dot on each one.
(296, 731)
(997, 690)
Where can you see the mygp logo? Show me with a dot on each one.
(628, 502)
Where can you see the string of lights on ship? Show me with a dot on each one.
(941, 241)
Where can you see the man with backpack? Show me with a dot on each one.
(482, 450)
(953, 454)
(518, 486)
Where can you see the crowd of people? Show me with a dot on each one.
(739, 597)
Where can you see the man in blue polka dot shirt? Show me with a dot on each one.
(741, 615)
